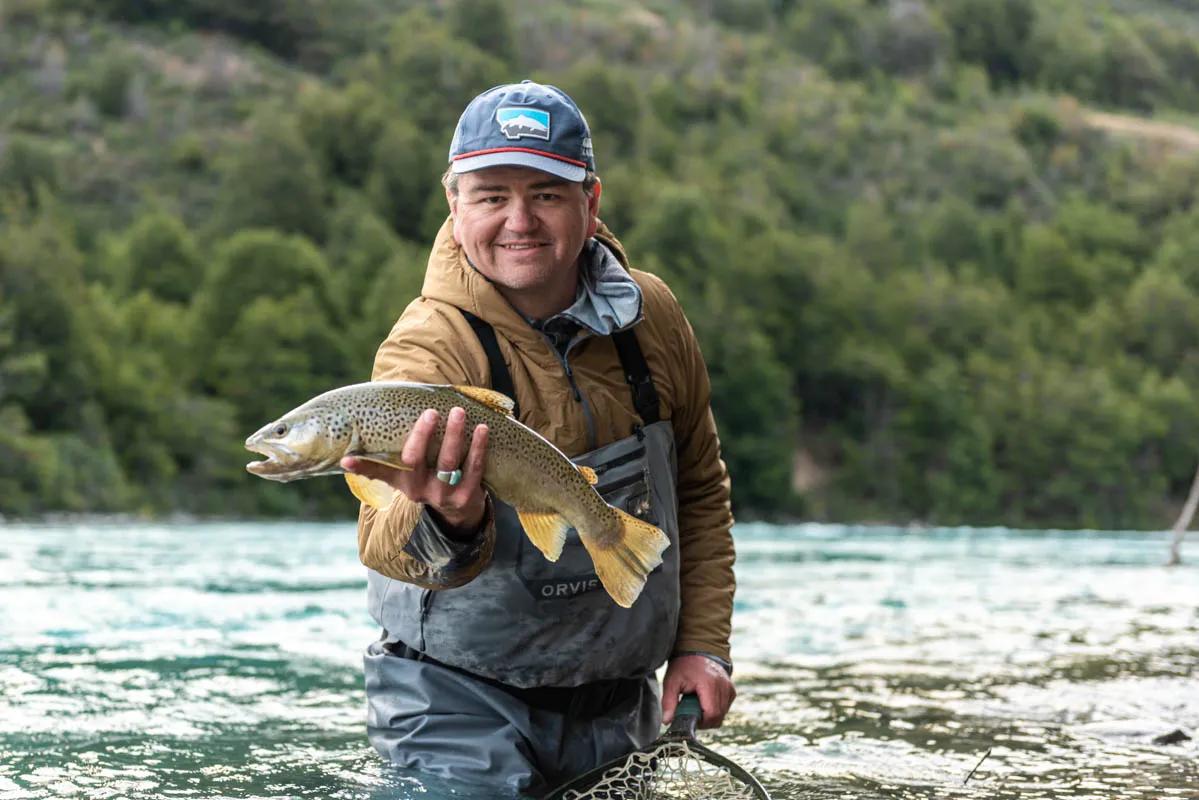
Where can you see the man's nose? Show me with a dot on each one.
(520, 217)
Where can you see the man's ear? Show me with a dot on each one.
(593, 206)
(451, 199)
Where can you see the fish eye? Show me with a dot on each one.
(280, 429)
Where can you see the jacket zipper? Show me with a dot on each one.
(588, 417)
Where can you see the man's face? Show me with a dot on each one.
(523, 228)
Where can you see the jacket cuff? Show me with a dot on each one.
(449, 558)
(727, 665)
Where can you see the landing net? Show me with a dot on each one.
(670, 771)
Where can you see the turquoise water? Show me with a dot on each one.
(221, 660)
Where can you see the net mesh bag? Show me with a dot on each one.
(671, 771)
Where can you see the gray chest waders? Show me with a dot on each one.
(525, 622)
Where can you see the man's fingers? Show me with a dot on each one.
(713, 710)
(453, 443)
(723, 693)
(670, 701)
(672, 687)
(416, 448)
(476, 458)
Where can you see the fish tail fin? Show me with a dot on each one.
(545, 529)
(624, 564)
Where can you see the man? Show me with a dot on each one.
(496, 665)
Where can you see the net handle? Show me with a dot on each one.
(686, 717)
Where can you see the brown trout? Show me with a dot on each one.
(551, 495)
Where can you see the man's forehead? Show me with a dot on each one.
(509, 177)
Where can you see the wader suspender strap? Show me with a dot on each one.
(636, 372)
(501, 379)
(632, 361)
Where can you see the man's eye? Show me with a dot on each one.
(491, 201)
(548, 196)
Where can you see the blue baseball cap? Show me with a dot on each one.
(523, 124)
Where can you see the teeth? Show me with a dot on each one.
(521, 246)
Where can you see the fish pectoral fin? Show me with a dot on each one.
(545, 529)
(494, 400)
(589, 474)
(375, 494)
(624, 565)
(386, 459)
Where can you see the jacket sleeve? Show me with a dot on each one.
(706, 578)
(403, 541)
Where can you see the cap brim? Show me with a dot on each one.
(561, 169)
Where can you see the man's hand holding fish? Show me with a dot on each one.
(461, 508)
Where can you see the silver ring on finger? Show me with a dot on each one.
(450, 476)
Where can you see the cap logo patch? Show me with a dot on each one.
(522, 121)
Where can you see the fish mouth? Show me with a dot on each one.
(279, 464)
(284, 464)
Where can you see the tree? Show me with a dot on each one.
(451, 72)
(273, 180)
(1159, 319)
(486, 25)
(41, 279)
(993, 33)
(342, 127)
(403, 177)
(255, 264)
(28, 166)
(161, 256)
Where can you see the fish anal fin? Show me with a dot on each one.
(589, 474)
(375, 494)
(386, 459)
(545, 529)
(624, 564)
(494, 400)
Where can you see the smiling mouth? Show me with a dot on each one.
(523, 246)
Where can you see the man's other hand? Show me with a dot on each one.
(693, 674)
(460, 508)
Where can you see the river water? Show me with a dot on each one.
(223, 660)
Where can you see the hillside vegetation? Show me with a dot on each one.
(939, 253)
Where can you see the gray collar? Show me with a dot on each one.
(608, 299)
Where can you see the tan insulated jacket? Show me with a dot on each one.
(433, 343)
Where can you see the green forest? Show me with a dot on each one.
(942, 255)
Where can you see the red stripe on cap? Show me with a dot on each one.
(532, 150)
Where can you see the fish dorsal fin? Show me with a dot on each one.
(375, 494)
(488, 397)
(386, 459)
(589, 474)
(545, 529)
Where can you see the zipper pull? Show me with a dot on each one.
(570, 376)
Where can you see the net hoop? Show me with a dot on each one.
(674, 769)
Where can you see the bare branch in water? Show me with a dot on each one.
(976, 766)
(1183, 522)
